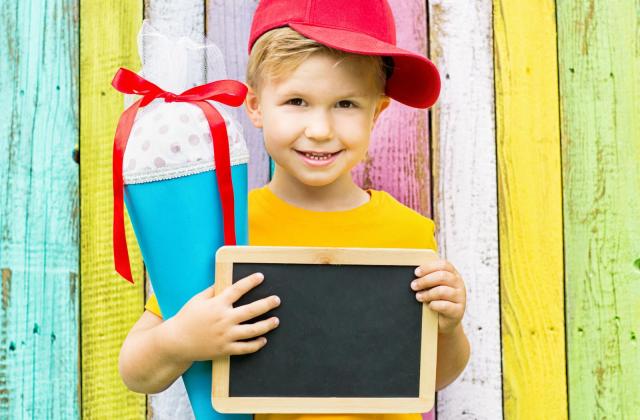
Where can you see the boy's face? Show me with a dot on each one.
(318, 108)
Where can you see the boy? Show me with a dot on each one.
(318, 83)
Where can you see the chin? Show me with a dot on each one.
(317, 182)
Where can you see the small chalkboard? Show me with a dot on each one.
(352, 336)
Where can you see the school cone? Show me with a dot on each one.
(185, 198)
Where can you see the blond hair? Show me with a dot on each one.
(278, 52)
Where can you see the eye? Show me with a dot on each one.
(295, 101)
(346, 104)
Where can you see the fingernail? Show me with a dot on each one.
(418, 297)
(276, 321)
(277, 300)
(260, 276)
(263, 339)
(414, 284)
(418, 271)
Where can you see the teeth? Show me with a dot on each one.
(318, 157)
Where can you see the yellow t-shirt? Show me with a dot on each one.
(382, 222)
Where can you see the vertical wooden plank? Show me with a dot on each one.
(398, 158)
(38, 211)
(175, 19)
(530, 209)
(110, 305)
(173, 402)
(228, 23)
(465, 199)
(599, 55)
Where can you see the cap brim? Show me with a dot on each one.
(415, 80)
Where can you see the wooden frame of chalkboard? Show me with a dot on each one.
(401, 382)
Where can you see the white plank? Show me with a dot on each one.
(174, 18)
(465, 198)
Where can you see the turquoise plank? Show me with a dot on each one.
(39, 330)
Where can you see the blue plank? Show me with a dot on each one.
(39, 310)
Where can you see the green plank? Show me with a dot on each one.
(38, 210)
(599, 56)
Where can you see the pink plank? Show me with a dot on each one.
(398, 157)
(428, 416)
(398, 160)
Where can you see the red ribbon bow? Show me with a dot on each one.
(229, 92)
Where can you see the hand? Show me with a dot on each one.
(208, 326)
(440, 286)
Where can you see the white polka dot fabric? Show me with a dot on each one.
(172, 139)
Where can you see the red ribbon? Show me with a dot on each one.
(229, 92)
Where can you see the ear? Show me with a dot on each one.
(383, 103)
(252, 106)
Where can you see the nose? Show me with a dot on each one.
(319, 126)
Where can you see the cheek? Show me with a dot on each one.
(276, 138)
(278, 143)
(354, 131)
(277, 129)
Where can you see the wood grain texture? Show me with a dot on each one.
(599, 56)
(183, 18)
(530, 210)
(39, 351)
(110, 305)
(319, 255)
(228, 23)
(398, 159)
(465, 198)
(175, 19)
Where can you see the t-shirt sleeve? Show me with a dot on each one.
(152, 305)
(431, 235)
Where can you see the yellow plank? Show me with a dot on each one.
(109, 304)
(530, 210)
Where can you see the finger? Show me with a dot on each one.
(246, 347)
(246, 331)
(446, 308)
(434, 265)
(439, 293)
(242, 286)
(436, 278)
(251, 310)
(207, 293)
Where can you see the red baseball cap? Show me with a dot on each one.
(357, 26)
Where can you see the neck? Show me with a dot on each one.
(342, 194)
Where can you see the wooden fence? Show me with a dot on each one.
(529, 164)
